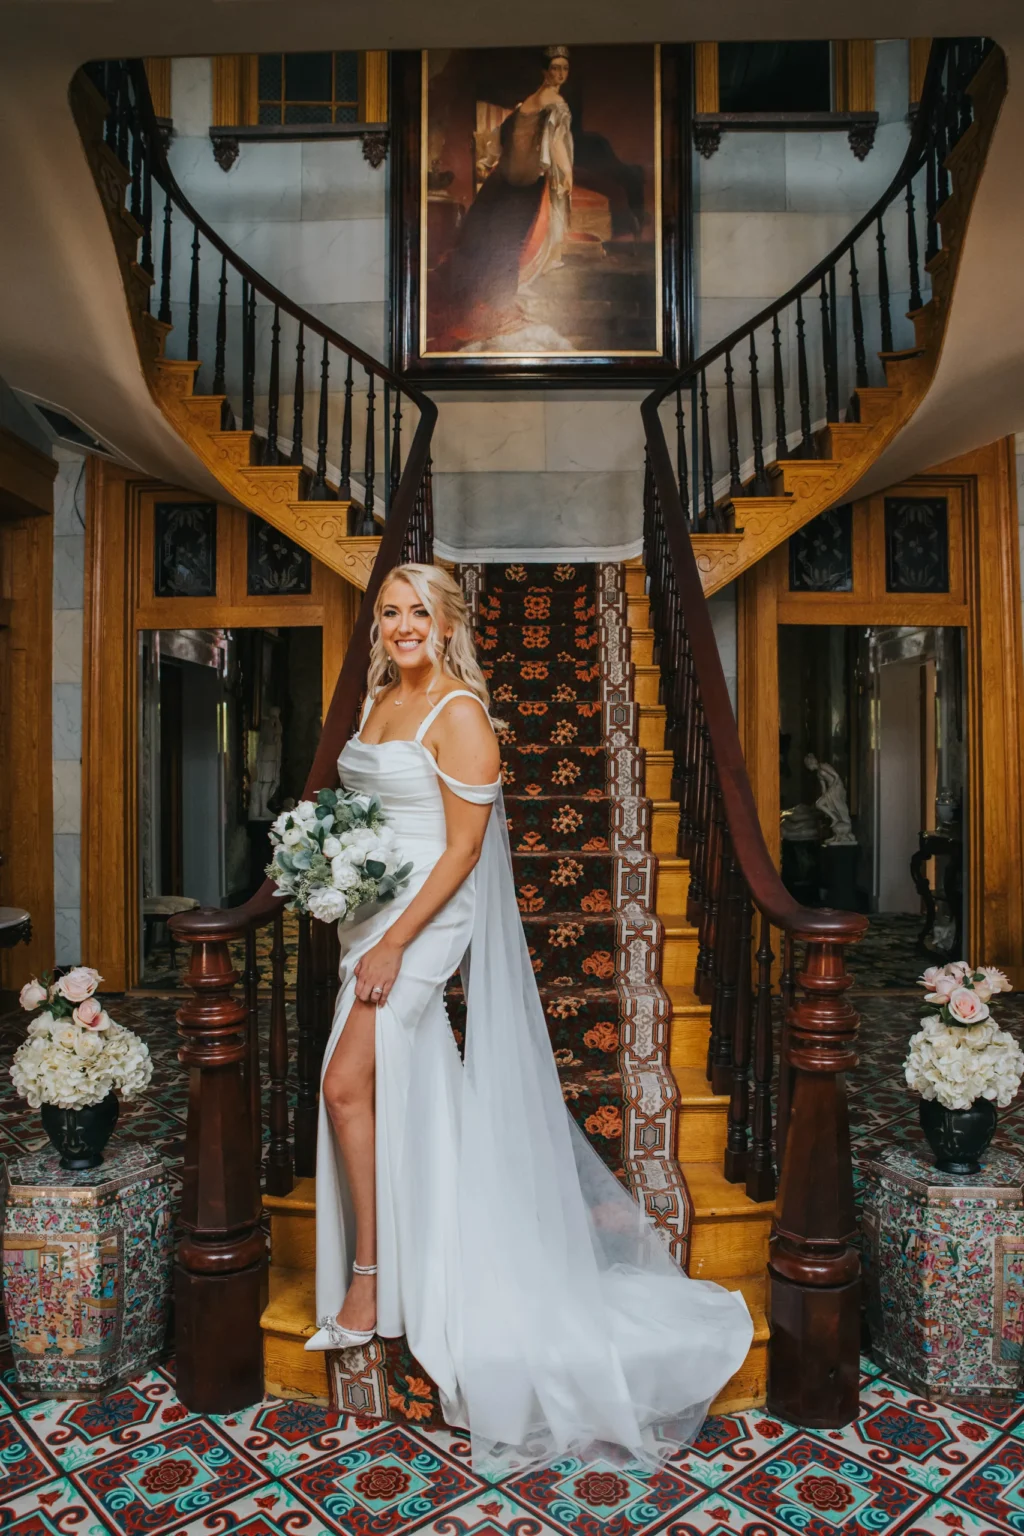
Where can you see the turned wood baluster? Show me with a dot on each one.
(271, 453)
(146, 258)
(221, 1259)
(779, 386)
(683, 787)
(298, 398)
(760, 1168)
(760, 485)
(249, 359)
(814, 1267)
(345, 467)
(712, 886)
(883, 290)
(192, 352)
(279, 1156)
(320, 490)
(831, 401)
(251, 988)
(807, 448)
(682, 467)
(859, 353)
(912, 257)
(135, 187)
(164, 312)
(721, 985)
(396, 448)
(701, 797)
(737, 1151)
(368, 525)
(931, 193)
(732, 430)
(427, 493)
(307, 1077)
(220, 346)
(710, 520)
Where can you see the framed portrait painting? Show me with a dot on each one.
(541, 214)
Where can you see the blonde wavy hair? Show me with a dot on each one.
(455, 657)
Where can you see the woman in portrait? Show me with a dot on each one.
(514, 230)
(457, 1202)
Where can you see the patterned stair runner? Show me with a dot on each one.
(540, 645)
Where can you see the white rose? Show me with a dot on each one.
(343, 875)
(332, 846)
(293, 835)
(995, 979)
(32, 994)
(79, 983)
(966, 1007)
(327, 905)
(305, 812)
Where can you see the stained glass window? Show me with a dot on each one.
(185, 546)
(277, 565)
(309, 87)
(821, 553)
(916, 544)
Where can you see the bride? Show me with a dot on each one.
(459, 1204)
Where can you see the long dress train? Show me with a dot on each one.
(527, 1281)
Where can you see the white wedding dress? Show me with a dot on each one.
(527, 1281)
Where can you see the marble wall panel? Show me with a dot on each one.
(67, 722)
(823, 175)
(746, 174)
(192, 97)
(67, 870)
(545, 511)
(69, 571)
(496, 435)
(594, 434)
(67, 936)
(67, 645)
(338, 182)
(67, 796)
(760, 255)
(265, 182)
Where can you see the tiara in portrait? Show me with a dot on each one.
(556, 51)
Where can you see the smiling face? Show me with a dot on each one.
(405, 627)
(556, 73)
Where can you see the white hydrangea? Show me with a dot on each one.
(70, 1065)
(957, 1065)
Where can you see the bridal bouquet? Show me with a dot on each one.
(75, 1055)
(960, 1054)
(336, 855)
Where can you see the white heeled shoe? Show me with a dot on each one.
(330, 1333)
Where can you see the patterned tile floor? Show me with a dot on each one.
(138, 1463)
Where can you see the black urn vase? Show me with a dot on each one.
(958, 1137)
(80, 1135)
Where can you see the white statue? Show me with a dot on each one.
(268, 766)
(832, 803)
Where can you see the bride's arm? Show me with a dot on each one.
(466, 748)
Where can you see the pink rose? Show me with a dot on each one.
(966, 1007)
(958, 969)
(87, 1013)
(32, 994)
(930, 977)
(79, 983)
(944, 987)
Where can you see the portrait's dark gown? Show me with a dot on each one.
(473, 290)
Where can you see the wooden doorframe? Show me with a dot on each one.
(26, 701)
(118, 605)
(988, 607)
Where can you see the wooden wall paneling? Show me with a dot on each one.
(26, 478)
(26, 737)
(110, 878)
(705, 74)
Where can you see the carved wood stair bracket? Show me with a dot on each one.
(809, 486)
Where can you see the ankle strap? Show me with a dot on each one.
(364, 1269)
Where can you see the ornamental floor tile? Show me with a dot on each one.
(596, 1499)
(992, 1489)
(491, 1513)
(730, 1443)
(53, 1509)
(273, 1511)
(75, 1434)
(282, 1437)
(387, 1482)
(818, 1489)
(23, 1463)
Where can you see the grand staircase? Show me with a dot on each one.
(640, 866)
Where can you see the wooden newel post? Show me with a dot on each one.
(814, 1267)
(220, 1272)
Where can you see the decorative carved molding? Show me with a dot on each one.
(862, 138)
(225, 150)
(706, 138)
(375, 148)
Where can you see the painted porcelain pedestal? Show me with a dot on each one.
(86, 1269)
(944, 1273)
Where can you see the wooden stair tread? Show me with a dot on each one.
(694, 1089)
(714, 1197)
(292, 1305)
(675, 923)
(685, 1001)
(302, 1197)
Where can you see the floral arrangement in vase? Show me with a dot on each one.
(73, 1063)
(961, 1063)
(335, 856)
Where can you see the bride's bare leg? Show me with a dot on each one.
(348, 1092)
